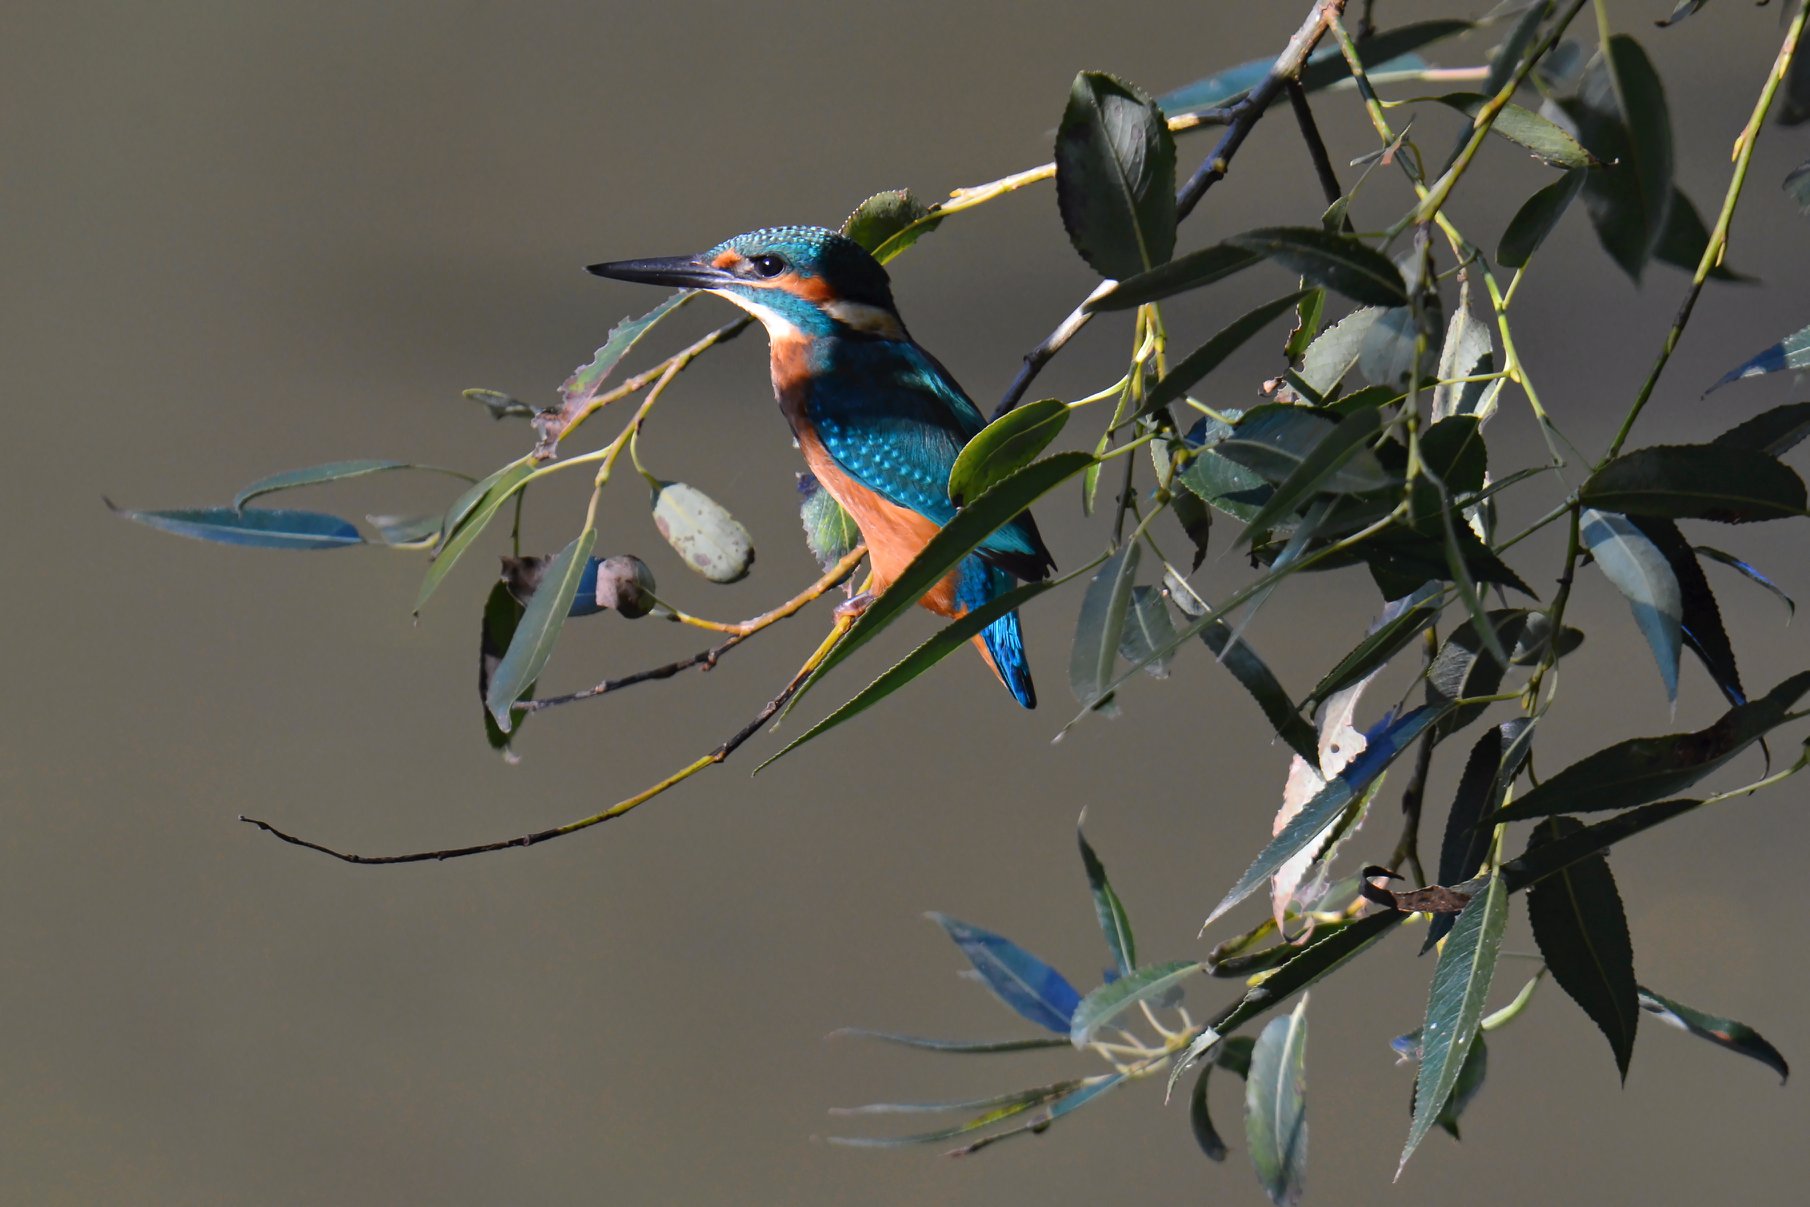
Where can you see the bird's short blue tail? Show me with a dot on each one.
(1003, 639)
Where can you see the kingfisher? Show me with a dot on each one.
(879, 419)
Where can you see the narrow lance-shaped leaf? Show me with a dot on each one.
(1797, 187)
(1384, 52)
(1536, 218)
(1101, 621)
(1234, 1056)
(1493, 764)
(1639, 770)
(1640, 572)
(1019, 979)
(1251, 672)
(1072, 1101)
(1792, 352)
(1344, 453)
(1210, 355)
(585, 380)
(1042, 1093)
(1553, 857)
(1455, 1004)
(1103, 1005)
(957, 1046)
(1724, 1032)
(1720, 482)
(1411, 616)
(1582, 932)
(1701, 620)
(1548, 141)
(1620, 111)
(1115, 176)
(1752, 575)
(469, 515)
(1684, 238)
(1345, 787)
(1148, 630)
(1004, 446)
(502, 615)
(1319, 959)
(1339, 262)
(1001, 1108)
(1115, 924)
(1275, 1107)
(260, 527)
(539, 629)
(315, 475)
(1192, 271)
(1774, 432)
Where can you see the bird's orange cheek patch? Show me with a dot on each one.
(727, 260)
(811, 289)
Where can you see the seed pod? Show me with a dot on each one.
(702, 532)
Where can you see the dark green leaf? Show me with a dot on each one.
(470, 514)
(499, 404)
(1620, 111)
(1536, 219)
(888, 223)
(1210, 355)
(1797, 187)
(1114, 923)
(1318, 959)
(829, 531)
(1794, 107)
(1222, 483)
(1548, 141)
(1335, 351)
(317, 474)
(1643, 576)
(1339, 262)
(502, 615)
(261, 527)
(1720, 482)
(1275, 1107)
(1753, 575)
(1115, 176)
(1004, 446)
(1342, 455)
(1774, 432)
(1582, 931)
(1684, 239)
(1192, 271)
(960, 537)
(1200, 1118)
(1470, 1081)
(1196, 520)
(1725, 1032)
(1099, 625)
(1148, 631)
(1281, 442)
(1019, 979)
(1103, 1005)
(702, 532)
(958, 1046)
(1412, 617)
(1493, 764)
(1252, 673)
(1464, 667)
(1537, 863)
(1792, 352)
(539, 629)
(585, 380)
(1644, 769)
(1701, 620)
(1455, 1004)
(1329, 802)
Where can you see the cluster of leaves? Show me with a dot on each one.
(1367, 446)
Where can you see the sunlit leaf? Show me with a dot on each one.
(1115, 924)
(1115, 176)
(702, 532)
(1275, 1107)
(1210, 355)
(587, 378)
(1339, 262)
(888, 223)
(1335, 351)
(1620, 112)
(1640, 572)
(1460, 989)
(1639, 770)
(1720, 482)
(539, 629)
(499, 404)
(469, 515)
(1536, 219)
(1019, 979)
(1792, 352)
(260, 527)
(1339, 792)
(1074, 1100)
(1004, 446)
(1466, 351)
(1100, 1007)
(1492, 766)
(1549, 142)
(1582, 932)
(1701, 620)
(1724, 1032)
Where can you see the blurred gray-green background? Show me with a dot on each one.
(243, 237)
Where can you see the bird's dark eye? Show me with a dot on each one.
(767, 266)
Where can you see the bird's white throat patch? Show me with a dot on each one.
(871, 320)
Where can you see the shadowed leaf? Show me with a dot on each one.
(1637, 568)
(466, 520)
(1192, 271)
(1620, 112)
(1413, 616)
(260, 527)
(1701, 620)
(1721, 482)
(1494, 762)
(1148, 631)
(1724, 1032)
(499, 404)
(539, 629)
(1582, 932)
(1536, 219)
(1338, 262)
(1684, 239)
(1774, 432)
(502, 615)
(957, 1046)
(1751, 574)
(588, 377)
(1210, 355)
(1115, 176)
(1114, 923)
(1275, 1107)
(1321, 956)
(1792, 352)
(1550, 142)
(1099, 625)
(884, 223)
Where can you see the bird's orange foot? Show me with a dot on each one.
(856, 604)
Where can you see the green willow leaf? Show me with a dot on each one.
(502, 616)
(1724, 1032)
(407, 531)
(1275, 1107)
(1148, 630)
(499, 404)
(1536, 218)
(1335, 351)
(1115, 176)
(1470, 1081)
(888, 223)
(1549, 142)
(1461, 982)
(1683, 9)
(1252, 673)
(582, 386)
(1325, 954)
(470, 514)
(1620, 112)
(1074, 1100)
(1792, 352)
(958, 1046)
(314, 475)
(1200, 1117)
(1720, 482)
(1210, 355)
(539, 629)
(1537, 863)
(1639, 770)
(1466, 668)
(1329, 802)
(1338, 262)
(1115, 924)
(261, 527)
(1385, 52)
(1282, 444)
(958, 538)
(1192, 271)
(1004, 446)
(1103, 1005)
(1035, 1094)
(829, 532)
(1774, 432)
(1701, 620)
(1413, 615)
(1100, 624)
(1342, 455)
(1684, 238)
(1582, 933)
(1023, 982)
(1002, 1107)
(1492, 766)
(1752, 575)
(1637, 568)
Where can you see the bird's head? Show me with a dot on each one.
(799, 281)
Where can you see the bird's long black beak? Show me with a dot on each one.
(680, 272)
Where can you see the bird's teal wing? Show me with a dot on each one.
(894, 420)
